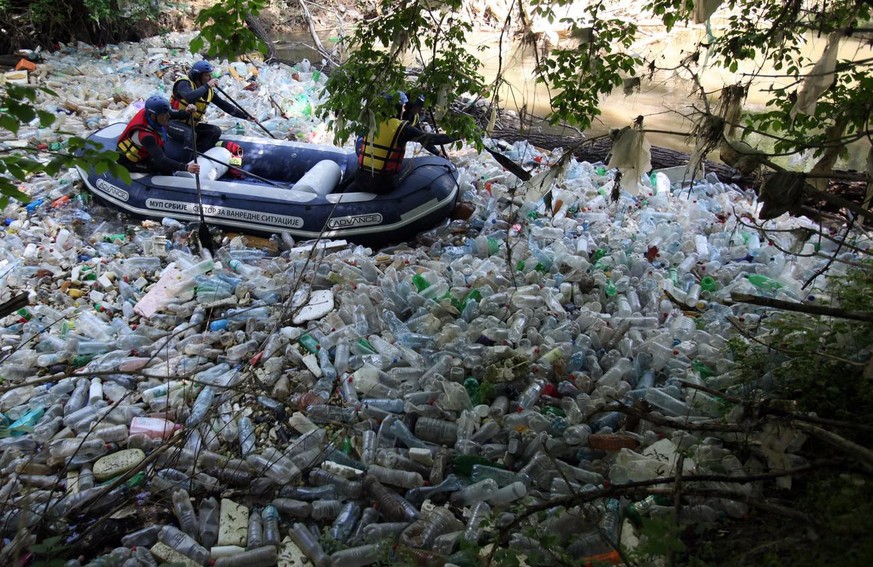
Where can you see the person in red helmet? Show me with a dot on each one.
(141, 144)
(197, 89)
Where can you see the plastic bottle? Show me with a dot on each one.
(246, 436)
(266, 556)
(345, 521)
(475, 492)
(403, 479)
(437, 431)
(480, 513)
(270, 518)
(145, 537)
(358, 556)
(344, 486)
(393, 506)
(209, 522)
(308, 544)
(201, 407)
(184, 544)
(255, 531)
(184, 511)
(281, 471)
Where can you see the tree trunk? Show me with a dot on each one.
(598, 151)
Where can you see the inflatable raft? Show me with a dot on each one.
(306, 190)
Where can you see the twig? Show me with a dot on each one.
(865, 316)
(849, 447)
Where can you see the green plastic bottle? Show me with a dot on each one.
(420, 282)
(365, 345)
(764, 283)
(463, 464)
(708, 283)
(25, 423)
(309, 343)
(702, 369)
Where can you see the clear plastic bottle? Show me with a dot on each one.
(201, 406)
(393, 506)
(480, 513)
(255, 531)
(359, 556)
(476, 492)
(326, 509)
(437, 431)
(438, 521)
(401, 478)
(270, 518)
(145, 537)
(247, 437)
(502, 477)
(405, 436)
(78, 398)
(184, 544)
(309, 545)
(281, 471)
(184, 511)
(345, 522)
(344, 486)
(209, 522)
(265, 556)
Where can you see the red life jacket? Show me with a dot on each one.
(130, 141)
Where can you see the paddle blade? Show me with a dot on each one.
(510, 165)
(205, 238)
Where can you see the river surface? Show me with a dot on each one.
(665, 101)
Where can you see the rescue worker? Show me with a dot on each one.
(197, 89)
(380, 158)
(141, 144)
(412, 114)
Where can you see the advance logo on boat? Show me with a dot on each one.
(226, 213)
(355, 220)
(112, 190)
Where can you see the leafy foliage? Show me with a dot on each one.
(43, 22)
(834, 385)
(223, 26)
(582, 74)
(49, 552)
(430, 32)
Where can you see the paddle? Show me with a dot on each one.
(437, 130)
(203, 231)
(507, 163)
(235, 103)
(227, 165)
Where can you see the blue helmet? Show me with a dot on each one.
(199, 68)
(157, 104)
(399, 98)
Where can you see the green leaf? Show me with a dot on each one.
(196, 44)
(45, 118)
(8, 122)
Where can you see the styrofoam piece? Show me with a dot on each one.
(320, 304)
(234, 523)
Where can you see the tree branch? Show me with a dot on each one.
(865, 316)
